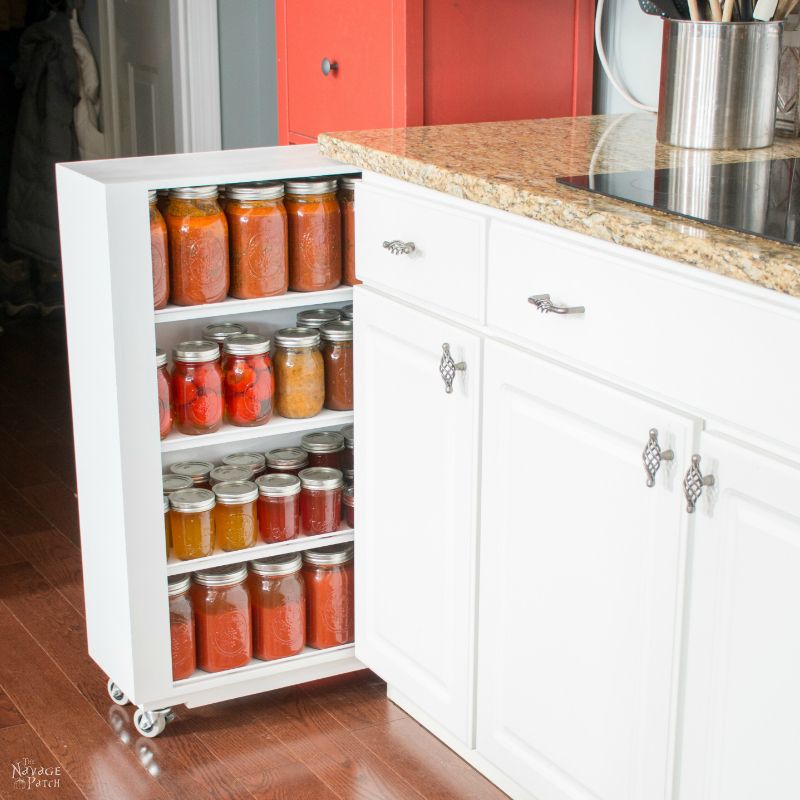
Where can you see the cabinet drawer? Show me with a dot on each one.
(698, 340)
(445, 269)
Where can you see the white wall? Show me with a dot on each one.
(633, 45)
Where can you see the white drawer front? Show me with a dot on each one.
(716, 350)
(445, 268)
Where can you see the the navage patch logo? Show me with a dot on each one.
(27, 774)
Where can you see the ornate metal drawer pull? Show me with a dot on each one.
(652, 457)
(448, 368)
(693, 484)
(398, 248)
(545, 305)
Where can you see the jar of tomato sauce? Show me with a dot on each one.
(198, 472)
(221, 606)
(191, 523)
(347, 311)
(198, 246)
(287, 460)
(315, 235)
(158, 253)
(328, 576)
(181, 627)
(278, 507)
(299, 373)
(314, 317)
(249, 385)
(219, 331)
(196, 387)
(324, 448)
(255, 462)
(235, 520)
(349, 506)
(278, 606)
(348, 460)
(259, 235)
(164, 394)
(337, 353)
(320, 500)
(347, 197)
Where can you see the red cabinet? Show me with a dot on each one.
(395, 63)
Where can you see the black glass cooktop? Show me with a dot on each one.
(758, 197)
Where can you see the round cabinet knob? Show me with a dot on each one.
(329, 66)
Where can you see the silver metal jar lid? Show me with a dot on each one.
(188, 501)
(152, 196)
(277, 485)
(329, 556)
(349, 496)
(166, 503)
(255, 462)
(348, 181)
(263, 190)
(297, 337)
(219, 331)
(287, 457)
(311, 186)
(314, 317)
(246, 344)
(322, 442)
(178, 584)
(171, 483)
(347, 311)
(198, 471)
(161, 357)
(349, 433)
(221, 576)
(321, 478)
(194, 192)
(339, 331)
(195, 351)
(277, 565)
(349, 475)
(229, 472)
(234, 493)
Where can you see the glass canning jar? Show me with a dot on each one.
(181, 627)
(328, 576)
(218, 332)
(299, 373)
(314, 317)
(348, 456)
(287, 460)
(162, 200)
(228, 472)
(171, 483)
(191, 523)
(278, 507)
(221, 606)
(158, 253)
(337, 353)
(164, 394)
(349, 506)
(278, 606)
(235, 520)
(324, 448)
(347, 204)
(255, 462)
(349, 477)
(249, 385)
(315, 235)
(320, 500)
(196, 387)
(167, 531)
(347, 312)
(259, 233)
(199, 472)
(198, 246)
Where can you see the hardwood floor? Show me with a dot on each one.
(339, 738)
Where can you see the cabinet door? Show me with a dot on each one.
(581, 567)
(741, 709)
(416, 464)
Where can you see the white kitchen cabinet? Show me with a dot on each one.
(416, 454)
(581, 571)
(741, 710)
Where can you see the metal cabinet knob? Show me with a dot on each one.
(329, 66)
(398, 248)
(448, 368)
(693, 484)
(546, 306)
(653, 455)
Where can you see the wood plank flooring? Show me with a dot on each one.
(330, 740)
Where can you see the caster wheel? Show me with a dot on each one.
(149, 723)
(116, 694)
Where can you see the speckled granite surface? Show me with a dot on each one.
(513, 166)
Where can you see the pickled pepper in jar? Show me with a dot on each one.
(299, 373)
(235, 520)
(158, 253)
(197, 387)
(164, 394)
(337, 353)
(249, 384)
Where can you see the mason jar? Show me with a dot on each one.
(278, 507)
(218, 332)
(199, 472)
(287, 460)
(337, 354)
(197, 387)
(299, 373)
(181, 627)
(328, 575)
(324, 448)
(192, 523)
(235, 520)
(255, 462)
(164, 394)
(158, 253)
(320, 500)
(314, 317)
(347, 204)
(249, 385)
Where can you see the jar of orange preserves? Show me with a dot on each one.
(347, 203)
(328, 576)
(235, 520)
(198, 246)
(164, 394)
(249, 385)
(197, 387)
(258, 233)
(315, 235)
(158, 253)
(192, 523)
(181, 627)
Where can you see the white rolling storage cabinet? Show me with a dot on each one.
(112, 334)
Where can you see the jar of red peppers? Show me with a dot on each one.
(320, 500)
(324, 448)
(328, 576)
(249, 384)
(229, 472)
(259, 234)
(198, 472)
(255, 462)
(235, 520)
(181, 627)
(192, 523)
(278, 606)
(337, 353)
(196, 387)
(198, 246)
(287, 460)
(315, 235)
(221, 606)
(347, 195)
(164, 401)
(158, 253)
(314, 317)
(348, 455)
(278, 507)
(349, 506)
(219, 331)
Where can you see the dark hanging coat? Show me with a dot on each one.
(47, 73)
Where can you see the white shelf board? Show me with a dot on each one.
(176, 442)
(222, 557)
(231, 306)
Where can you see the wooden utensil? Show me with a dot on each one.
(727, 12)
(785, 7)
(694, 11)
(716, 11)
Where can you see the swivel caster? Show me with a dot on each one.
(152, 723)
(116, 694)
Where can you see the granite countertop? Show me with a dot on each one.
(513, 166)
